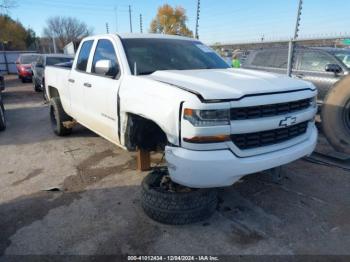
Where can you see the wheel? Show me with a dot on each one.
(23, 80)
(58, 116)
(36, 86)
(2, 116)
(45, 97)
(170, 203)
(335, 116)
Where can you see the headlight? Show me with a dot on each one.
(217, 117)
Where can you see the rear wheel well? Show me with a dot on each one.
(142, 133)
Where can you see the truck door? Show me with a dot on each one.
(101, 93)
(77, 80)
(311, 68)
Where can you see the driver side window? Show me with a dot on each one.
(105, 51)
(315, 61)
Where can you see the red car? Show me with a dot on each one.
(24, 66)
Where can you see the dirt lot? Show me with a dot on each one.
(97, 210)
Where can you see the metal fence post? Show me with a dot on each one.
(290, 57)
(291, 52)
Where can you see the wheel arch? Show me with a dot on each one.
(53, 92)
(144, 133)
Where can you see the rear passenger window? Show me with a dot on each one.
(280, 59)
(263, 59)
(272, 58)
(84, 55)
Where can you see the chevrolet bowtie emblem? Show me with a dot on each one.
(288, 121)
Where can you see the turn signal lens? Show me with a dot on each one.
(207, 139)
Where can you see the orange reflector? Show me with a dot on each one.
(188, 112)
(207, 139)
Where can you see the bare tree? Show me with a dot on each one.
(5, 5)
(66, 30)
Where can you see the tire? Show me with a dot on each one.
(23, 80)
(175, 208)
(2, 116)
(335, 116)
(58, 116)
(36, 86)
(45, 97)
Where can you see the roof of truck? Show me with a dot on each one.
(161, 36)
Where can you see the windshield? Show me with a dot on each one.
(28, 59)
(57, 60)
(151, 55)
(344, 56)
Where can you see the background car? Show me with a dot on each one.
(2, 83)
(321, 66)
(2, 115)
(329, 70)
(23, 65)
(39, 68)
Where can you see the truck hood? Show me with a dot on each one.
(218, 84)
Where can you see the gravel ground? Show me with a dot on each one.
(80, 195)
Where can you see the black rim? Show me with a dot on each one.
(178, 189)
(346, 115)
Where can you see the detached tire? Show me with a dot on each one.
(2, 116)
(335, 115)
(175, 208)
(58, 116)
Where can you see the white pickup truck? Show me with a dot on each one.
(215, 124)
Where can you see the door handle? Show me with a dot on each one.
(71, 80)
(87, 85)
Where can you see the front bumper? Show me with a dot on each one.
(219, 168)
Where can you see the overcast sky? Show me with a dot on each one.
(220, 21)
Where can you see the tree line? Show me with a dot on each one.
(64, 30)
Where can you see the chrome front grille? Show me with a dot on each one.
(270, 137)
(254, 112)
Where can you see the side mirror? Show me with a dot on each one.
(106, 68)
(335, 68)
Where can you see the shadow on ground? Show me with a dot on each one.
(21, 129)
(254, 216)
